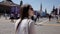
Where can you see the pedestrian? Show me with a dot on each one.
(0, 15)
(57, 18)
(5, 15)
(25, 25)
(49, 17)
(12, 17)
(38, 16)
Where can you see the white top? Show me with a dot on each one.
(23, 27)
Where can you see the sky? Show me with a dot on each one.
(46, 4)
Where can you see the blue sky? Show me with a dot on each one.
(46, 4)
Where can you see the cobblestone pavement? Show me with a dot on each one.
(48, 27)
(7, 27)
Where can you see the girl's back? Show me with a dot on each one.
(23, 27)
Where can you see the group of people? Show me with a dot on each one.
(25, 24)
(14, 16)
(55, 16)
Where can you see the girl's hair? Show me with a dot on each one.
(24, 13)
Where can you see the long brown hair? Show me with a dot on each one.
(24, 13)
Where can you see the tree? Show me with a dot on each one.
(21, 2)
(9, 0)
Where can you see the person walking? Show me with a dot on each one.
(25, 25)
(12, 17)
(57, 18)
(49, 17)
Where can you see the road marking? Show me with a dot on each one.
(58, 20)
(41, 23)
(51, 24)
(46, 21)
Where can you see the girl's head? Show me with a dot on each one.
(26, 11)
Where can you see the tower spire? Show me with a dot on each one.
(41, 8)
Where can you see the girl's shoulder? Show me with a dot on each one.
(30, 21)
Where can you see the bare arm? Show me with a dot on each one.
(32, 28)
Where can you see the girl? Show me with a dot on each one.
(25, 25)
